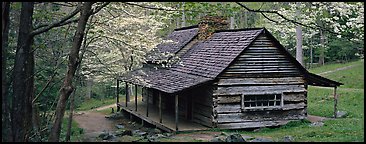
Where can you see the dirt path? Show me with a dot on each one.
(94, 122)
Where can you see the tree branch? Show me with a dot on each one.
(98, 8)
(285, 18)
(153, 8)
(43, 28)
(65, 20)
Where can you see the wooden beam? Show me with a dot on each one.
(335, 102)
(147, 103)
(242, 102)
(142, 93)
(135, 97)
(160, 109)
(126, 91)
(176, 112)
(117, 97)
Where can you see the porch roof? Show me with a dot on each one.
(165, 80)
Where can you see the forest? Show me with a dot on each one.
(58, 55)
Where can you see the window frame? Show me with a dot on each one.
(268, 107)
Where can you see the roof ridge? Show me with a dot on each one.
(187, 27)
(242, 29)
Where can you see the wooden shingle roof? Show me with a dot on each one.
(209, 58)
(163, 79)
(180, 38)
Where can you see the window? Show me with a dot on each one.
(261, 101)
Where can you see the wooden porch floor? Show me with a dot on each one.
(168, 122)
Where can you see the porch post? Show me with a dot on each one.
(142, 93)
(160, 114)
(335, 102)
(126, 90)
(117, 97)
(135, 97)
(176, 112)
(147, 104)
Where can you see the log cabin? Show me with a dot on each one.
(211, 77)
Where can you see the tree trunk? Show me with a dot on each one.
(322, 48)
(6, 130)
(74, 61)
(68, 132)
(23, 76)
(299, 54)
(89, 88)
(183, 16)
(245, 19)
(232, 21)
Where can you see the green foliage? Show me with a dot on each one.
(343, 76)
(356, 72)
(333, 66)
(94, 103)
(76, 132)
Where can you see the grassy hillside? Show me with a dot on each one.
(320, 103)
(351, 78)
(329, 67)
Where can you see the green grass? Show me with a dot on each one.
(320, 103)
(351, 78)
(76, 132)
(329, 67)
(107, 111)
(94, 103)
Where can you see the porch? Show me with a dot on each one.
(149, 107)
(151, 115)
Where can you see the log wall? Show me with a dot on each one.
(202, 105)
(194, 104)
(262, 69)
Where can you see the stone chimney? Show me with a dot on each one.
(209, 24)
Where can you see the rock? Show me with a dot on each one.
(117, 115)
(142, 133)
(123, 133)
(120, 126)
(257, 129)
(288, 139)
(167, 134)
(217, 139)
(139, 133)
(247, 138)
(341, 114)
(105, 135)
(317, 124)
(159, 136)
(234, 138)
(261, 140)
(224, 134)
(157, 131)
(152, 139)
